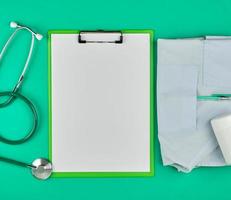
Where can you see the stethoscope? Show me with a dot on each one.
(41, 168)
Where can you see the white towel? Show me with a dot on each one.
(186, 68)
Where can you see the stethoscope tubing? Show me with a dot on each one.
(16, 162)
(13, 96)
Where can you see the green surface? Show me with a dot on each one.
(103, 174)
(169, 19)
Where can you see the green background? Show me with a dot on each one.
(179, 18)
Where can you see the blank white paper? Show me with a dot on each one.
(100, 104)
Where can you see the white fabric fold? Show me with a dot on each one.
(217, 65)
(187, 68)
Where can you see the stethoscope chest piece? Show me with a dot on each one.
(41, 168)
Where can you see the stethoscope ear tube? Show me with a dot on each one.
(34, 35)
(4, 50)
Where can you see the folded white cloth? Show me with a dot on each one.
(187, 68)
(217, 64)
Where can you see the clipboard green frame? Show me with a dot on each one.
(152, 103)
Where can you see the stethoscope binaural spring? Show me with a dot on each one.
(41, 168)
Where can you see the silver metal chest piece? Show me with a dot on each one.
(41, 168)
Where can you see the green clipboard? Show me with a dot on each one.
(152, 103)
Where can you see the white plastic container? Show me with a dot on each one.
(222, 128)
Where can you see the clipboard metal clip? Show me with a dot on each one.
(100, 36)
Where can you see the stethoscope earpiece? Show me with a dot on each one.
(39, 36)
(13, 25)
